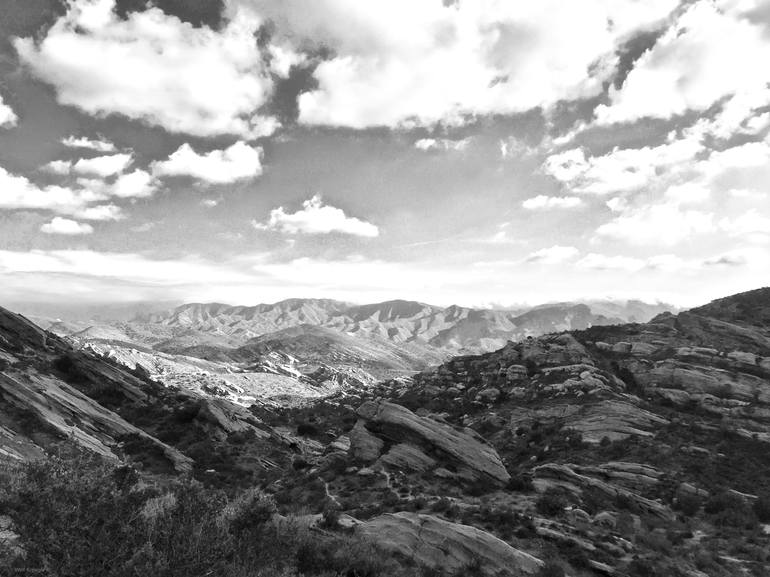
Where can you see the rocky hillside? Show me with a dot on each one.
(633, 450)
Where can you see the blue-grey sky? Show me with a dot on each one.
(472, 152)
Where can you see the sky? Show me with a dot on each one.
(481, 153)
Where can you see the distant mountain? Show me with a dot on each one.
(305, 348)
(450, 329)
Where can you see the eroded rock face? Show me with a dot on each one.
(75, 416)
(475, 459)
(446, 546)
(574, 479)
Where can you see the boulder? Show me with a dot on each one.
(364, 445)
(621, 347)
(474, 458)
(445, 546)
(404, 456)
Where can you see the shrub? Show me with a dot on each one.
(550, 569)
(551, 503)
(762, 508)
(687, 503)
(520, 483)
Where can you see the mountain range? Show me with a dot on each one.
(308, 347)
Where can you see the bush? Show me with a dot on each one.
(86, 518)
(762, 508)
(521, 483)
(551, 503)
(550, 569)
(688, 504)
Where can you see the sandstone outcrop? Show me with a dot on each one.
(445, 546)
(384, 421)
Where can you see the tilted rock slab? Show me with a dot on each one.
(439, 544)
(567, 477)
(466, 449)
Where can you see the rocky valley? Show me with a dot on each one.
(382, 441)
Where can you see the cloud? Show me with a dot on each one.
(442, 144)
(8, 118)
(58, 167)
(17, 192)
(657, 224)
(89, 144)
(100, 212)
(66, 226)
(210, 202)
(153, 67)
(751, 225)
(691, 67)
(542, 201)
(103, 165)
(604, 262)
(622, 169)
(401, 63)
(317, 218)
(237, 162)
(137, 184)
(553, 255)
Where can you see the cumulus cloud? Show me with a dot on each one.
(751, 225)
(405, 63)
(84, 202)
(442, 144)
(66, 226)
(8, 118)
(97, 145)
(317, 218)
(237, 162)
(58, 166)
(542, 201)
(622, 169)
(553, 255)
(103, 165)
(153, 67)
(691, 67)
(657, 224)
(604, 262)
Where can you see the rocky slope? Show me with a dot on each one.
(633, 450)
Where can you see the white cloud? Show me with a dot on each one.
(8, 118)
(317, 218)
(210, 202)
(657, 224)
(622, 169)
(751, 225)
(153, 67)
(100, 212)
(397, 62)
(542, 201)
(137, 184)
(687, 193)
(58, 166)
(66, 226)
(237, 162)
(604, 262)
(442, 144)
(103, 165)
(691, 67)
(18, 192)
(553, 255)
(89, 144)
